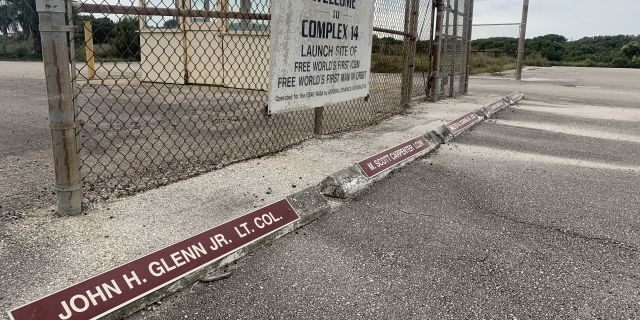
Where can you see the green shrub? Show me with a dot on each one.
(103, 51)
(620, 62)
(589, 63)
(536, 60)
(386, 64)
(125, 39)
(482, 62)
(14, 48)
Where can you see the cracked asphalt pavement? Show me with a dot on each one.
(533, 215)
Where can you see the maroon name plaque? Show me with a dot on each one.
(496, 106)
(516, 96)
(390, 157)
(458, 125)
(106, 292)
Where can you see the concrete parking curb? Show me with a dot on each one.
(312, 203)
(457, 127)
(350, 181)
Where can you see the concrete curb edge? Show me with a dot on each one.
(310, 204)
(350, 181)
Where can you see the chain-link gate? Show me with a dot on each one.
(168, 89)
(494, 48)
(452, 32)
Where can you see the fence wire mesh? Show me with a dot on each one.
(494, 48)
(423, 49)
(179, 87)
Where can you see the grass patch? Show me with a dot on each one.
(393, 63)
(482, 62)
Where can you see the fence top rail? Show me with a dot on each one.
(152, 11)
(401, 33)
(496, 24)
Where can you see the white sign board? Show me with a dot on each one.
(320, 52)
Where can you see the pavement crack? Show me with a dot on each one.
(570, 233)
(215, 277)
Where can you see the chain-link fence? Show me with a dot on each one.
(451, 30)
(494, 48)
(168, 89)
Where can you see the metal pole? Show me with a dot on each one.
(437, 50)
(469, 28)
(88, 47)
(523, 34)
(447, 43)
(318, 119)
(454, 51)
(185, 42)
(411, 29)
(55, 55)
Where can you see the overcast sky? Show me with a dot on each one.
(573, 19)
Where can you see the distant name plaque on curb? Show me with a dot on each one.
(516, 96)
(106, 292)
(390, 157)
(320, 52)
(496, 106)
(458, 125)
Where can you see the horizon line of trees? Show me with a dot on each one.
(615, 51)
(19, 17)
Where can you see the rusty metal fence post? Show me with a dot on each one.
(454, 45)
(523, 35)
(318, 119)
(55, 55)
(469, 28)
(411, 36)
(437, 50)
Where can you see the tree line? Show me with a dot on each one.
(120, 39)
(621, 51)
(116, 39)
(19, 24)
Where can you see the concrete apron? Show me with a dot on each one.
(314, 202)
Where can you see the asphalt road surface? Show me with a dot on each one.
(26, 173)
(534, 215)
